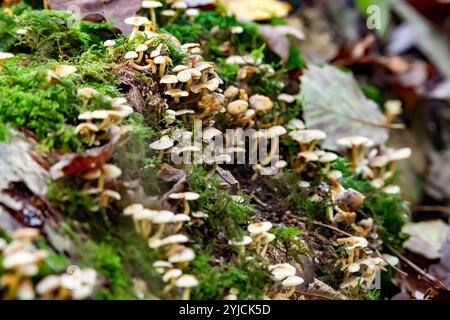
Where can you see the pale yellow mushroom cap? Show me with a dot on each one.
(169, 79)
(131, 55)
(286, 98)
(5, 55)
(309, 156)
(141, 48)
(246, 240)
(136, 21)
(399, 154)
(295, 124)
(185, 195)
(151, 4)
(181, 218)
(133, 209)
(182, 255)
(172, 274)
(109, 43)
(25, 234)
(111, 171)
(187, 281)
(259, 227)
(307, 136)
(180, 68)
(292, 281)
(351, 141)
(328, 157)
(192, 12)
(163, 217)
(237, 107)
(64, 71)
(175, 238)
(275, 131)
(261, 103)
(162, 144)
(177, 93)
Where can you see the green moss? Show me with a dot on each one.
(287, 240)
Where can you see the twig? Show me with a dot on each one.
(440, 209)
(433, 281)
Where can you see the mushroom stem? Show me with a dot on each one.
(138, 67)
(153, 17)
(272, 153)
(187, 208)
(139, 58)
(111, 51)
(134, 32)
(264, 250)
(162, 70)
(186, 294)
(330, 215)
(290, 292)
(188, 85)
(159, 232)
(45, 4)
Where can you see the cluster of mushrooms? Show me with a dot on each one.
(161, 228)
(21, 261)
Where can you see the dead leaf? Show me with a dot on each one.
(333, 102)
(114, 11)
(437, 183)
(227, 177)
(426, 238)
(278, 40)
(168, 173)
(17, 164)
(74, 163)
(257, 10)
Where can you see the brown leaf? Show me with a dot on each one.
(74, 163)
(114, 11)
(278, 40)
(168, 173)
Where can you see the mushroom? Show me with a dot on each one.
(241, 244)
(266, 239)
(162, 61)
(260, 103)
(353, 245)
(180, 5)
(162, 144)
(176, 94)
(396, 155)
(174, 240)
(110, 45)
(171, 276)
(237, 107)
(25, 234)
(287, 98)
(3, 57)
(169, 14)
(295, 125)
(169, 80)
(106, 195)
(143, 221)
(257, 231)
(140, 49)
(291, 283)
(179, 219)
(350, 200)
(192, 13)
(273, 133)
(231, 92)
(327, 158)
(185, 76)
(157, 52)
(188, 47)
(391, 189)
(136, 22)
(307, 138)
(162, 218)
(187, 282)
(186, 197)
(237, 30)
(179, 68)
(356, 145)
(182, 256)
(152, 5)
(281, 271)
(393, 108)
(161, 266)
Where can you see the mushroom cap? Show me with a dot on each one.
(87, 92)
(309, 156)
(353, 242)
(63, 70)
(163, 217)
(162, 60)
(231, 92)
(246, 240)
(133, 209)
(175, 238)
(183, 255)
(353, 268)
(282, 271)
(23, 258)
(267, 237)
(275, 131)
(48, 284)
(25, 234)
(185, 75)
(307, 136)
(180, 5)
(237, 30)
(131, 55)
(145, 215)
(199, 214)
(141, 48)
(180, 68)
(136, 21)
(109, 43)
(203, 65)
(328, 157)
(110, 194)
(188, 46)
(5, 55)
(169, 79)
(379, 161)
(185, 195)
(192, 12)
(280, 164)
(151, 4)
(86, 126)
(259, 227)
(393, 107)
(168, 13)
(392, 189)
(399, 154)
(334, 174)
(304, 184)
(292, 281)
(295, 124)
(261, 103)
(162, 144)
(210, 133)
(288, 98)
(172, 274)
(155, 243)
(186, 281)
(350, 141)
(181, 218)
(184, 111)
(212, 84)
(162, 264)
(391, 260)
(237, 107)
(177, 93)
(111, 171)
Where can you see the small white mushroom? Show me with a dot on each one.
(291, 283)
(187, 282)
(110, 45)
